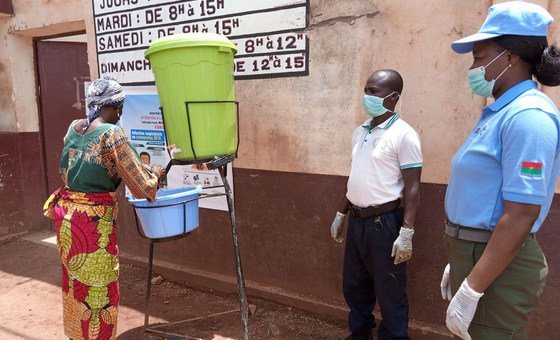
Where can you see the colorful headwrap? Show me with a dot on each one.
(102, 92)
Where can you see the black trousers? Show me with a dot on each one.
(370, 276)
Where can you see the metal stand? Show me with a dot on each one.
(150, 270)
(219, 163)
(149, 285)
(240, 279)
(151, 256)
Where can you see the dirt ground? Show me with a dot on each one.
(172, 301)
(31, 305)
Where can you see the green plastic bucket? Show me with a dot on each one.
(191, 68)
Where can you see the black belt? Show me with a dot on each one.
(374, 210)
(468, 234)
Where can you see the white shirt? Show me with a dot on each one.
(378, 156)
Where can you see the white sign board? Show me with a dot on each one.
(269, 34)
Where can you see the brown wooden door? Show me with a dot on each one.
(63, 69)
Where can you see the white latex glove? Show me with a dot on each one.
(461, 310)
(402, 247)
(445, 284)
(336, 227)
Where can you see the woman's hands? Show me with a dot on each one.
(159, 171)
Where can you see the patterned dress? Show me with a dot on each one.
(84, 211)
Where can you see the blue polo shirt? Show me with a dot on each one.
(512, 154)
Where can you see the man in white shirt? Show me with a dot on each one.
(385, 176)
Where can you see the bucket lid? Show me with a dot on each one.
(189, 40)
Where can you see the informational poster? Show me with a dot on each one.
(269, 34)
(143, 125)
(210, 180)
(142, 122)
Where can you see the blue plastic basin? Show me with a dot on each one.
(174, 212)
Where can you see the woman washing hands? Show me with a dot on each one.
(96, 157)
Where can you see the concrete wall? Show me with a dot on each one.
(32, 19)
(21, 166)
(295, 148)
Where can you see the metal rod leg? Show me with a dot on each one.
(149, 285)
(240, 279)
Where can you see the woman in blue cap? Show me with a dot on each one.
(503, 177)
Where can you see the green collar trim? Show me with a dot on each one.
(386, 124)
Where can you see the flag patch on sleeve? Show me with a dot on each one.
(531, 169)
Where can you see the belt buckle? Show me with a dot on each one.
(454, 226)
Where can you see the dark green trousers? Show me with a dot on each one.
(505, 308)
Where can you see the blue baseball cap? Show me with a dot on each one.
(511, 18)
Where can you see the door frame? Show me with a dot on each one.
(42, 147)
